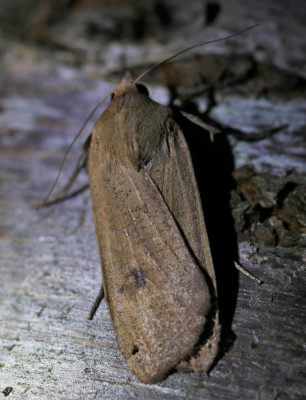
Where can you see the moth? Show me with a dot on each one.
(158, 276)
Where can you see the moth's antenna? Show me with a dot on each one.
(190, 48)
(70, 147)
(136, 80)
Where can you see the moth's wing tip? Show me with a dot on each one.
(204, 360)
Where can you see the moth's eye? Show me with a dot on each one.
(142, 89)
(112, 96)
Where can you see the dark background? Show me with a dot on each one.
(58, 58)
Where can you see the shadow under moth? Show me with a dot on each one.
(158, 276)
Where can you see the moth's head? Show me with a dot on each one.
(127, 85)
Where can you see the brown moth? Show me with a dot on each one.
(152, 238)
(158, 277)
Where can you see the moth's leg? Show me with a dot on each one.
(212, 130)
(247, 273)
(81, 164)
(97, 302)
(63, 196)
(256, 136)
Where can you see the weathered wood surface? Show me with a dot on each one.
(49, 261)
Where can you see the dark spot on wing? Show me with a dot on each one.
(139, 276)
(136, 277)
(135, 350)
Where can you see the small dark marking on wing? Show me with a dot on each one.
(135, 350)
(139, 279)
(139, 276)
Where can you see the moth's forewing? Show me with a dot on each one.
(156, 293)
(177, 182)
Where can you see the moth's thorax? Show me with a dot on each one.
(133, 128)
